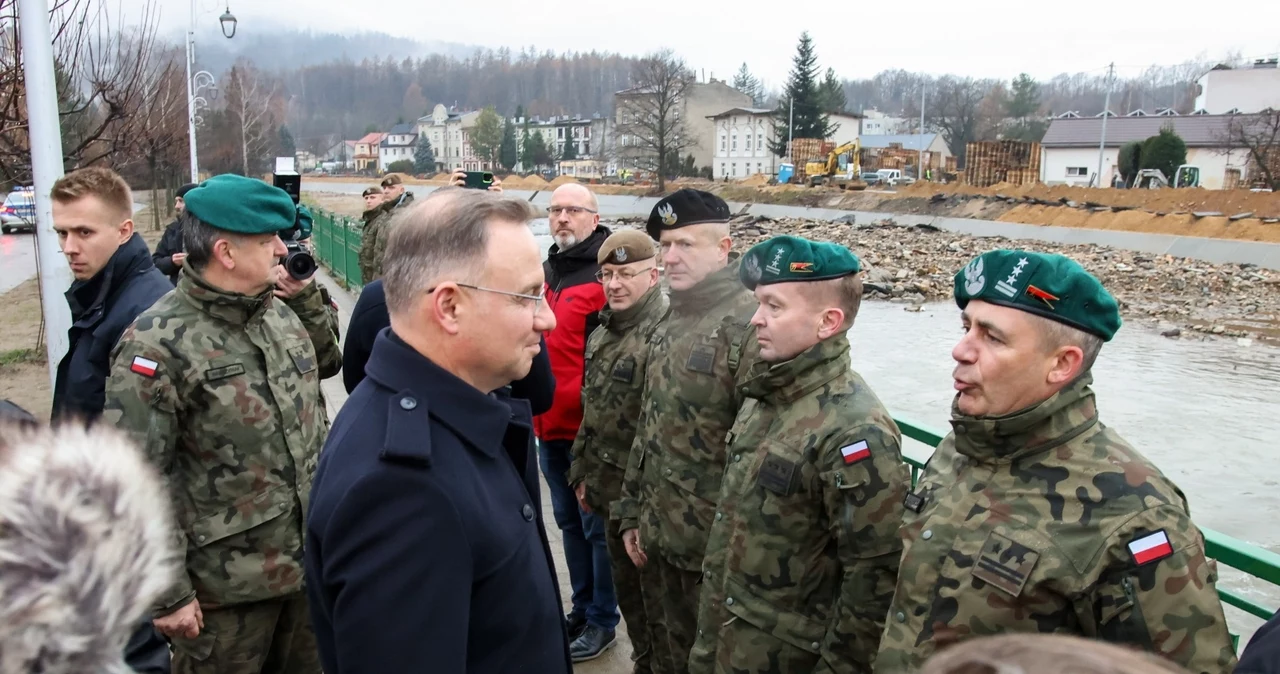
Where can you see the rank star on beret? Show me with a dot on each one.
(243, 205)
(686, 207)
(626, 246)
(788, 259)
(1049, 285)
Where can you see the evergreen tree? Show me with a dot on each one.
(539, 153)
(748, 84)
(1166, 151)
(570, 145)
(287, 147)
(832, 93)
(1025, 100)
(520, 113)
(809, 121)
(486, 136)
(424, 158)
(508, 153)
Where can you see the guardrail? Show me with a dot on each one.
(337, 243)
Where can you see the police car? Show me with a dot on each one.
(19, 210)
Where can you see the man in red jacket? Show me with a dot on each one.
(576, 297)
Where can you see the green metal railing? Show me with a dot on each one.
(337, 243)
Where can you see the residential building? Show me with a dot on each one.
(876, 123)
(742, 137)
(366, 151)
(305, 160)
(589, 136)
(449, 133)
(700, 102)
(1069, 150)
(398, 145)
(341, 155)
(1255, 88)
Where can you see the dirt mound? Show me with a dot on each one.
(1192, 199)
(562, 180)
(756, 180)
(535, 182)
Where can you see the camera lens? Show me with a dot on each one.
(300, 265)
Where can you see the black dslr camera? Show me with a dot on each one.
(300, 264)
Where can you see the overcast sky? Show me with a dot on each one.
(982, 38)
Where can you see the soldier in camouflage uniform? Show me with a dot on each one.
(804, 547)
(1032, 516)
(373, 241)
(617, 353)
(696, 360)
(219, 382)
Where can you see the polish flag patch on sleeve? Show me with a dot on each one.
(144, 366)
(1150, 548)
(855, 452)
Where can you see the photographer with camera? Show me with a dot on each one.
(219, 382)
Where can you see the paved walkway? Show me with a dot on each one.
(616, 660)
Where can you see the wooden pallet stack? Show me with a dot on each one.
(952, 165)
(1003, 161)
(804, 150)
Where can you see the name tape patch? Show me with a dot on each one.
(855, 452)
(144, 366)
(1150, 548)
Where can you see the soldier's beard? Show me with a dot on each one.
(566, 240)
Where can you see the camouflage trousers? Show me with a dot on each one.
(679, 590)
(640, 605)
(269, 637)
(736, 646)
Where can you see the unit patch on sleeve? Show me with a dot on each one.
(1150, 548)
(1005, 564)
(144, 366)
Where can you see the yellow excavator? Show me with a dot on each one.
(843, 168)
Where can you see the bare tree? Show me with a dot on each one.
(1259, 136)
(249, 103)
(955, 110)
(102, 72)
(160, 123)
(651, 130)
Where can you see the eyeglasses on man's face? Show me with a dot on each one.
(537, 301)
(571, 210)
(623, 275)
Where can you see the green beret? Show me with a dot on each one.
(787, 259)
(1049, 285)
(243, 205)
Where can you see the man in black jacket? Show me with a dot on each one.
(115, 281)
(424, 548)
(169, 257)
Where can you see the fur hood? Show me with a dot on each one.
(85, 547)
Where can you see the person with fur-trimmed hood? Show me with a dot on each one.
(84, 546)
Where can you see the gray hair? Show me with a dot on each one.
(198, 238)
(1057, 335)
(435, 239)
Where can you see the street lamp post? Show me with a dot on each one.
(228, 21)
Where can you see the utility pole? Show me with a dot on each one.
(791, 125)
(1106, 109)
(920, 162)
(46, 167)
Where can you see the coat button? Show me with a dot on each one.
(900, 617)
(728, 602)
(815, 645)
(668, 471)
(407, 403)
(737, 458)
(719, 516)
(604, 454)
(527, 511)
(928, 533)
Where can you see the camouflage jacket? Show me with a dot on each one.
(222, 391)
(373, 250)
(1047, 521)
(804, 548)
(616, 358)
(696, 359)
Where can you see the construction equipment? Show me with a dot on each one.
(1187, 175)
(843, 168)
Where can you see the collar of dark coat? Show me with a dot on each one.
(786, 382)
(711, 292)
(87, 299)
(584, 253)
(478, 419)
(650, 306)
(1052, 423)
(233, 308)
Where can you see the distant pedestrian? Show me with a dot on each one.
(373, 239)
(425, 550)
(576, 298)
(169, 257)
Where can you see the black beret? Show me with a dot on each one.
(686, 207)
(182, 191)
